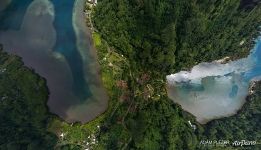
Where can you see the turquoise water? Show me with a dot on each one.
(52, 38)
(66, 45)
(213, 90)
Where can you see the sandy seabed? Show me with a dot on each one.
(215, 90)
(34, 42)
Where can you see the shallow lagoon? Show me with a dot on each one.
(52, 38)
(214, 90)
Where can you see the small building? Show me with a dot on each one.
(192, 125)
(242, 42)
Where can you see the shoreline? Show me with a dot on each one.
(251, 91)
(51, 65)
(223, 61)
(97, 104)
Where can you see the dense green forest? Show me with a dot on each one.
(159, 37)
(23, 110)
(138, 43)
(169, 35)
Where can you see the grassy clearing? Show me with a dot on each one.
(97, 39)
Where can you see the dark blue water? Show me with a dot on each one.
(51, 37)
(66, 45)
(256, 57)
(12, 17)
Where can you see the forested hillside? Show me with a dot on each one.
(138, 43)
(23, 110)
(168, 35)
(159, 37)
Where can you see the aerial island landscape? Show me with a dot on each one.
(130, 74)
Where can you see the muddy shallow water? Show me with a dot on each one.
(214, 90)
(52, 38)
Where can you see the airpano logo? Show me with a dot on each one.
(224, 143)
(244, 143)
